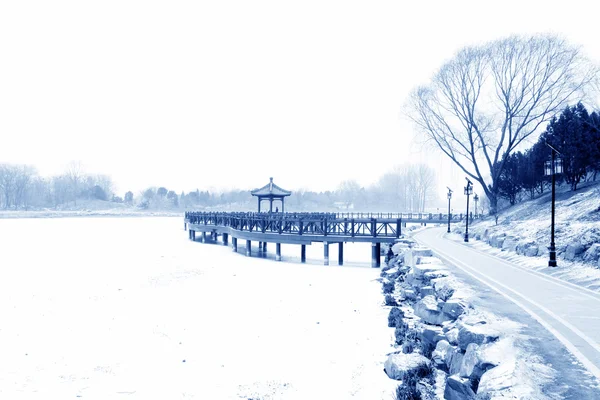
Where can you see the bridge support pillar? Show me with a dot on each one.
(303, 253)
(325, 253)
(264, 247)
(375, 255)
(278, 252)
(225, 239)
(234, 244)
(341, 254)
(248, 248)
(203, 237)
(190, 235)
(185, 226)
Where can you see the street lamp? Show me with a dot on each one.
(476, 200)
(449, 197)
(468, 191)
(552, 168)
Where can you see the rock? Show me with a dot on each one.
(573, 250)
(427, 291)
(454, 308)
(431, 334)
(458, 388)
(531, 251)
(410, 256)
(427, 310)
(499, 378)
(478, 236)
(497, 240)
(479, 334)
(593, 253)
(420, 270)
(429, 275)
(452, 336)
(455, 361)
(469, 366)
(394, 317)
(509, 243)
(408, 294)
(390, 273)
(442, 355)
(398, 365)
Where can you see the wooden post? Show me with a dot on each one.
(248, 248)
(225, 239)
(234, 243)
(303, 253)
(378, 251)
(341, 254)
(325, 253)
(278, 252)
(373, 255)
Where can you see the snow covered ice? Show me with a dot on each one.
(103, 308)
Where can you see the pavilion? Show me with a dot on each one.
(271, 192)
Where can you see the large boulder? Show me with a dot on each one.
(427, 291)
(592, 254)
(442, 355)
(479, 333)
(454, 308)
(455, 361)
(458, 388)
(410, 256)
(452, 336)
(431, 334)
(499, 378)
(470, 367)
(573, 250)
(531, 251)
(510, 243)
(420, 270)
(398, 365)
(427, 309)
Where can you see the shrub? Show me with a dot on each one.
(390, 300)
(388, 286)
(400, 332)
(395, 317)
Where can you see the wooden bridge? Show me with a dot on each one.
(306, 228)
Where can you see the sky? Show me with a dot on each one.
(223, 94)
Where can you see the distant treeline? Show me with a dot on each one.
(407, 188)
(575, 134)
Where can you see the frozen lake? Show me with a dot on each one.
(102, 308)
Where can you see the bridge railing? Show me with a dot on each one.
(322, 224)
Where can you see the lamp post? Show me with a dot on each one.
(449, 197)
(552, 168)
(476, 200)
(468, 191)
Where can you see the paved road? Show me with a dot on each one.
(569, 312)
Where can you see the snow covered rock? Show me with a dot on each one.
(398, 365)
(458, 388)
(410, 256)
(427, 309)
(479, 334)
(452, 336)
(454, 308)
(420, 270)
(510, 244)
(573, 250)
(531, 251)
(442, 355)
(593, 253)
(497, 240)
(455, 361)
(408, 294)
(499, 378)
(427, 291)
(469, 367)
(431, 334)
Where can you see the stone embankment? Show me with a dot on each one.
(446, 348)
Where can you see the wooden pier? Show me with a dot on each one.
(305, 228)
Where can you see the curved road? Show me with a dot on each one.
(569, 312)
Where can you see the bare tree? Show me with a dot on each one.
(487, 100)
(75, 175)
(349, 192)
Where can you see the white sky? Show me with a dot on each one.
(222, 94)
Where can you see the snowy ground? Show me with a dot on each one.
(103, 308)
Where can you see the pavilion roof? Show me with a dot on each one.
(270, 189)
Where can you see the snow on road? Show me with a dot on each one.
(103, 308)
(569, 312)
